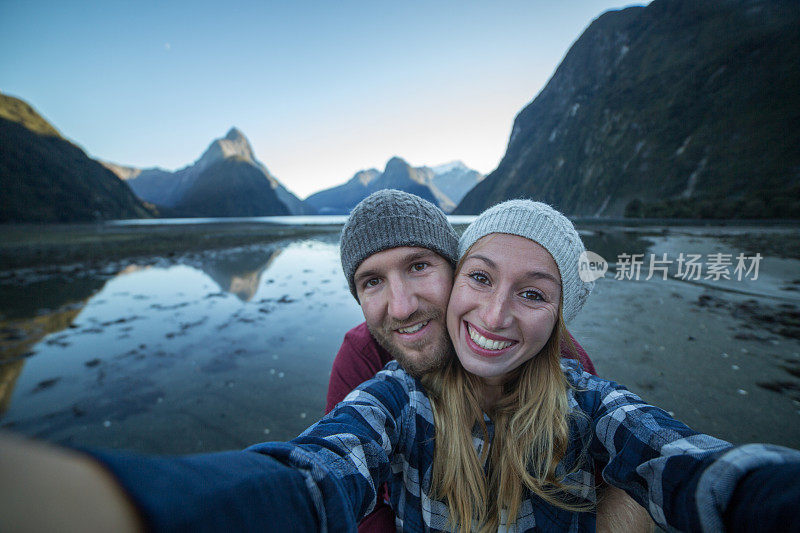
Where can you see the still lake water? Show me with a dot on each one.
(206, 351)
(215, 351)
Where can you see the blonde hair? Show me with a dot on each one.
(531, 436)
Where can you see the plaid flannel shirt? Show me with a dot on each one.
(384, 431)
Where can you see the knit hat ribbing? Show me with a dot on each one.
(544, 225)
(389, 219)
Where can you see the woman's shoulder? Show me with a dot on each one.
(578, 377)
(589, 391)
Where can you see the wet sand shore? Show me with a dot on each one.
(722, 356)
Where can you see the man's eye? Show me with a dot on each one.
(532, 295)
(419, 267)
(480, 277)
(372, 282)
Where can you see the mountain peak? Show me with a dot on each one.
(365, 177)
(234, 144)
(235, 134)
(396, 162)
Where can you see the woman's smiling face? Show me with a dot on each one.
(503, 306)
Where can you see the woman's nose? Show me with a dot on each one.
(495, 312)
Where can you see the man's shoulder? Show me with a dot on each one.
(361, 341)
(359, 335)
(357, 360)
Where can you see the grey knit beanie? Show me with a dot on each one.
(388, 219)
(544, 225)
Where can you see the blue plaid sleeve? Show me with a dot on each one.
(684, 479)
(223, 491)
(345, 457)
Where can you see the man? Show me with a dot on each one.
(398, 254)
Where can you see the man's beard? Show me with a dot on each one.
(436, 351)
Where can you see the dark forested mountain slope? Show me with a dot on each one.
(45, 178)
(247, 192)
(680, 108)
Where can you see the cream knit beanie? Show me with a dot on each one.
(544, 225)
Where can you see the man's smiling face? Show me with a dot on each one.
(403, 293)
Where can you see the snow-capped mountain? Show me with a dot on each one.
(455, 179)
(443, 185)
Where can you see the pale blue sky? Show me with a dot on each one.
(321, 89)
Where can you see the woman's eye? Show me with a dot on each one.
(419, 267)
(532, 295)
(480, 277)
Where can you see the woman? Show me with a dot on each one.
(503, 435)
(506, 321)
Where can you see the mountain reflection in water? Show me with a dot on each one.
(217, 350)
(239, 272)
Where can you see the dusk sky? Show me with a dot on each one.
(321, 89)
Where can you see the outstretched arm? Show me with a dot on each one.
(53, 489)
(46, 488)
(687, 480)
(326, 478)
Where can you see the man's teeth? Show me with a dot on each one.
(485, 343)
(413, 329)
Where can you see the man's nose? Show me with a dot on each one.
(403, 300)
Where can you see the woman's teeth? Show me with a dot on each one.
(485, 343)
(412, 329)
